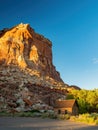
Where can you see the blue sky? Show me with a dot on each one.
(71, 25)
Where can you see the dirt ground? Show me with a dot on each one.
(27, 123)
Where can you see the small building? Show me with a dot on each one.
(66, 107)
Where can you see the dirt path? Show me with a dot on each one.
(27, 123)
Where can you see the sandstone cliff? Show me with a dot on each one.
(27, 74)
(28, 78)
(23, 47)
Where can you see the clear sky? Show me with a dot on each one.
(71, 25)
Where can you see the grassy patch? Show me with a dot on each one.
(4, 113)
(87, 118)
(33, 113)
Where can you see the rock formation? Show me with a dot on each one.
(28, 78)
(23, 47)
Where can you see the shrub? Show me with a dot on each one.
(35, 110)
(4, 113)
(73, 118)
(96, 122)
(63, 116)
(52, 116)
(87, 118)
(45, 115)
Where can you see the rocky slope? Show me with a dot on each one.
(27, 75)
(28, 78)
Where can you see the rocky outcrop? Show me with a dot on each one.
(28, 78)
(22, 47)
(21, 89)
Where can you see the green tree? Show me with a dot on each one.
(70, 96)
(86, 99)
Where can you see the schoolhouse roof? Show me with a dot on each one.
(65, 103)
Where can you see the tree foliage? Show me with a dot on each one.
(86, 99)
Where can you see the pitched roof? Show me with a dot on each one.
(64, 103)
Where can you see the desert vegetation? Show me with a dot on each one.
(87, 100)
(86, 118)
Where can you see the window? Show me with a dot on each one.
(65, 111)
(59, 111)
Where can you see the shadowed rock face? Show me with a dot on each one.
(22, 47)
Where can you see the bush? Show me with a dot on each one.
(4, 113)
(73, 118)
(63, 116)
(96, 122)
(87, 118)
(49, 115)
(35, 110)
(28, 114)
(45, 115)
(53, 116)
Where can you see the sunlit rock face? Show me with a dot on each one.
(22, 47)
(28, 78)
